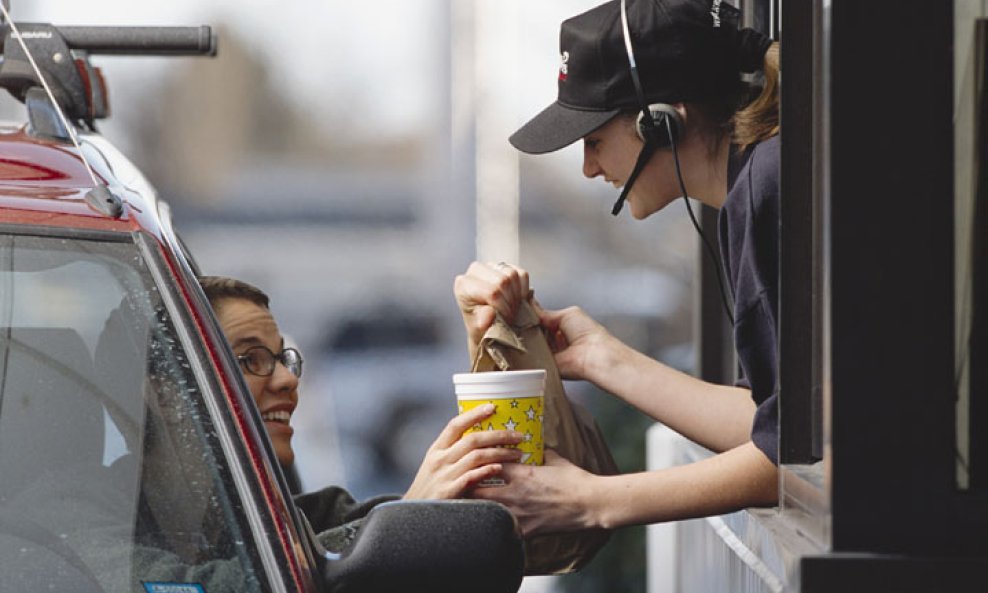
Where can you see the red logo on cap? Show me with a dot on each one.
(564, 67)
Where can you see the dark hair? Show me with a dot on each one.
(218, 288)
(744, 119)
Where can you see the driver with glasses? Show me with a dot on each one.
(451, 466)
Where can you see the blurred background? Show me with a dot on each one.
(350, 158)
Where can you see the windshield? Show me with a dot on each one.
(111, 474)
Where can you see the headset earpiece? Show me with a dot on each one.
(663, 115)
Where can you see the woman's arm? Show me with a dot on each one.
(740, 478)
(560, 496)
(718, 417)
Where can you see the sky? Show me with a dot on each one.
(387, 56)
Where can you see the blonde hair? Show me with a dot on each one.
(759, 120)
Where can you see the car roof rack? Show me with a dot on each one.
(62, 55)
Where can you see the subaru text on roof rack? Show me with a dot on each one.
(132, 457)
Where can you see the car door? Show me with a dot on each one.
(123, 465)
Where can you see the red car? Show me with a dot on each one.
(132, 457)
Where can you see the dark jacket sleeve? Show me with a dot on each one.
(335, 516)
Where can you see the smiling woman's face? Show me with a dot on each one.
(246, 325)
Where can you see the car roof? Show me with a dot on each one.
(44, 182)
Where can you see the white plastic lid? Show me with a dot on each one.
(527, 383)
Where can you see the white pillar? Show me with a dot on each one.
(496, 28)
(660, 538)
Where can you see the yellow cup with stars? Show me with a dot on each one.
(518, 398)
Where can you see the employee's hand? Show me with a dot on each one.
(581, 346)
(545, 499)
(455, 462)
(486, 289)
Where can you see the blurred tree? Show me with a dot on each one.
(213, 118)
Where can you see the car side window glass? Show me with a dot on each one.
(112, 477)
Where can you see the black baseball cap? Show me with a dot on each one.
(685, 50)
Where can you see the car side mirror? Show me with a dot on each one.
(435, 546)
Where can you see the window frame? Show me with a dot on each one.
(878, 293)
(804, 483)
(270, 489)
(258, 521)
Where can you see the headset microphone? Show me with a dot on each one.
(654, 136)
(652, 121)
(643, 157)
(658, 125)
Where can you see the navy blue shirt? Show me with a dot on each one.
(749, 244)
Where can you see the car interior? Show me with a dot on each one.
(106, 443)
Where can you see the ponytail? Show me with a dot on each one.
(759, 120)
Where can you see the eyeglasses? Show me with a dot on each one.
(260, 361)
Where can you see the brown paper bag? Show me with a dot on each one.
(569, 429)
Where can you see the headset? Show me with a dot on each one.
(659, 125)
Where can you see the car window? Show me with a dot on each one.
(112, 477)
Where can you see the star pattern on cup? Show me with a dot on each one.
(525, 422)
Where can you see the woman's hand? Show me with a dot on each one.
(551, 498)
(580, 344)
(456, 462)
(486, 289)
